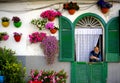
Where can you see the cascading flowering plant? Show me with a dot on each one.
(50, 48)
(50, 13)
(37, 37)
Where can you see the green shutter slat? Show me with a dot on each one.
(112, 40)
(66, 36)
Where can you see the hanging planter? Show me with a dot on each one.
(17, 36)
(5, 21)
(16, 21)
(71, 11)
(54, 30)
(71, 7)
(51, 19)
(17, 24)
(104, 6)
(50, 14)
(50, 26)
(4, 36)
(104, 10)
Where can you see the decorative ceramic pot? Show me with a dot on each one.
(17, 38)
(53, 31)
(51, 19)
(5, 24)
(17, 24)
(71, 11)
(104, 10)
(34, 82)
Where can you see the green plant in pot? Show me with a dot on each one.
(17, 21)
(5, 21)
(13, 70)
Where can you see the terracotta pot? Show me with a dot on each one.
(5, 24)
(51, 19)
(104, 10)
(53, 31)
(34, 82)
(17, 24)
(71, 11)
(17, 38)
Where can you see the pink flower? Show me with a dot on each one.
(50, 13)
(49, 25)
(36, 37)
(5, 37)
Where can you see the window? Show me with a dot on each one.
(88, 34)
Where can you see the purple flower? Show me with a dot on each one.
(50, 48)
(16, 19)
(16, 33)
(49, 25)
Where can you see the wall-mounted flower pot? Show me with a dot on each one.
(17, 24)
(1, 79)
(71, 11)
(5, 37)
(5, 24)
(17, 38)
(104, 10)
(51, 18)
(53, 31)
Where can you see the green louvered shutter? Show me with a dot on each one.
(112, 40)
(66, 37)
(82, 72)
(98, 72)
(79, 72)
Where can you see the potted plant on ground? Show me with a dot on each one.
(71, 7)
(50, 25)
(104, 6)
(17, 36)
(50, 14)
(5, 21)
(47, 76)
(40, 23)
(35, 76)
(17, 21)
(14, 72)
(4, 36)
(50, 48)
(37, 37)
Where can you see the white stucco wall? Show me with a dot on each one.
(20, 9)
(24, 48)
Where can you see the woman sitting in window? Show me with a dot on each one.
(95, 55)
